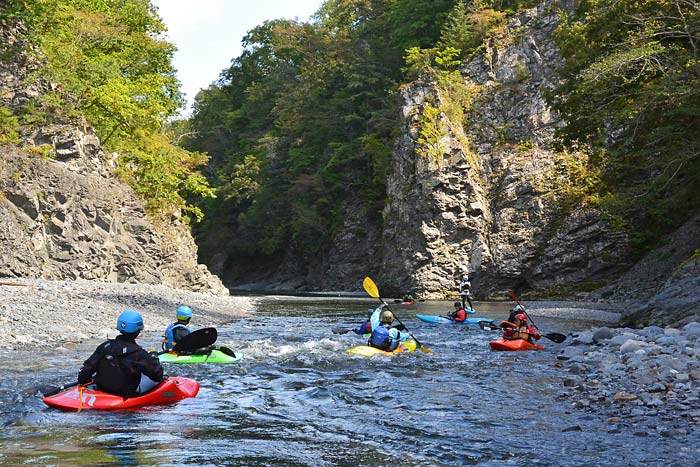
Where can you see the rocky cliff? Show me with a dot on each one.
(491, 196)
(63, 212)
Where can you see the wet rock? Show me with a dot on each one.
(602, 334)
(572, 428)
(623, 396)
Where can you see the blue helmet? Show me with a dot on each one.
(184, 312)
(370, 312)
(129, 321)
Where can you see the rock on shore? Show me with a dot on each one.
(41, 313)
(640, 379)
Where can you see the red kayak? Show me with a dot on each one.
(513, 345)
(81, 398)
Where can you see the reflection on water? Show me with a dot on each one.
(297, 399)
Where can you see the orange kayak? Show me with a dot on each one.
(79, 398)
(513, 345)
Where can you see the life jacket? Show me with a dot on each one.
(114, 375)
(169, 336)
(380, 339)
(460, 315)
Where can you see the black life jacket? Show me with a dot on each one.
(114, 373)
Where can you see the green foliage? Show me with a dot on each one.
(9, 125)
(111, 65)
(431, 134)
(632, 85)
(160, 173)
(305, 118)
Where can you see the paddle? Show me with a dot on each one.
(552, 336)
(195, 340)
(489, 326)
(371, 288)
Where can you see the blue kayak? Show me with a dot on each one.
(443, 320)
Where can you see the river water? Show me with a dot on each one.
(297, 399)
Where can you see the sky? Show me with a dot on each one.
(208, 33)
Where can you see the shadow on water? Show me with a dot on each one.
(297, 399)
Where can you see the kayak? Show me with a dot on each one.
(513, 345)
(82, 398)
(367, 351)
(443, 320)
(218, 355)
(408, 303)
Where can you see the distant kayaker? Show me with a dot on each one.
(177, 330)
(515, 311)
(408, 298)
(465, 292)
(366, 327)
(385, 336)
(121, 366)
(521, 330)
(460, 314)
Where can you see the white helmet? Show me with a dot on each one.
(387, 316)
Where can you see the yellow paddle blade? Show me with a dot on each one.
(370, 287)
(424, 349)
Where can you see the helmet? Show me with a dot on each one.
(521, 317)
(458, 304)
(184, 312)
(129, 321)
(387, 316)
(370, 311)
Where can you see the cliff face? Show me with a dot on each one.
(491, 201)
(65, 215)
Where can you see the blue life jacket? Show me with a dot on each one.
(380, 339)
(169, 336)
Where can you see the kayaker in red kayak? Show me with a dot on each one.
(521, 330)
(176, 331)
(120, 366)
(460, 314)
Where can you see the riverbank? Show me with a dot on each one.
(644, 380)
(41, 313)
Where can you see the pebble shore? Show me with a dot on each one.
(645, 380)
(39, 313)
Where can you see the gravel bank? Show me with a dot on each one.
(40, 313)
(645, 380)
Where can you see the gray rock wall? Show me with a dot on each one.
(63, 212)
(491, 202)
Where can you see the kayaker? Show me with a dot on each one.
(366, 327)
(460, 314)
(465, 292)
(514, 312)
(385, 336)
(408, 298)
(177, 330)
(120, 366)
(521, 330)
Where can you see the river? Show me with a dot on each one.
(297, 399)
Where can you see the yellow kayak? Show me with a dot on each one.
(367, 351)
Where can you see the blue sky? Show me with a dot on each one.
(208, 33)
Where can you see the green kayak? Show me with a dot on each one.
(217, 355)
